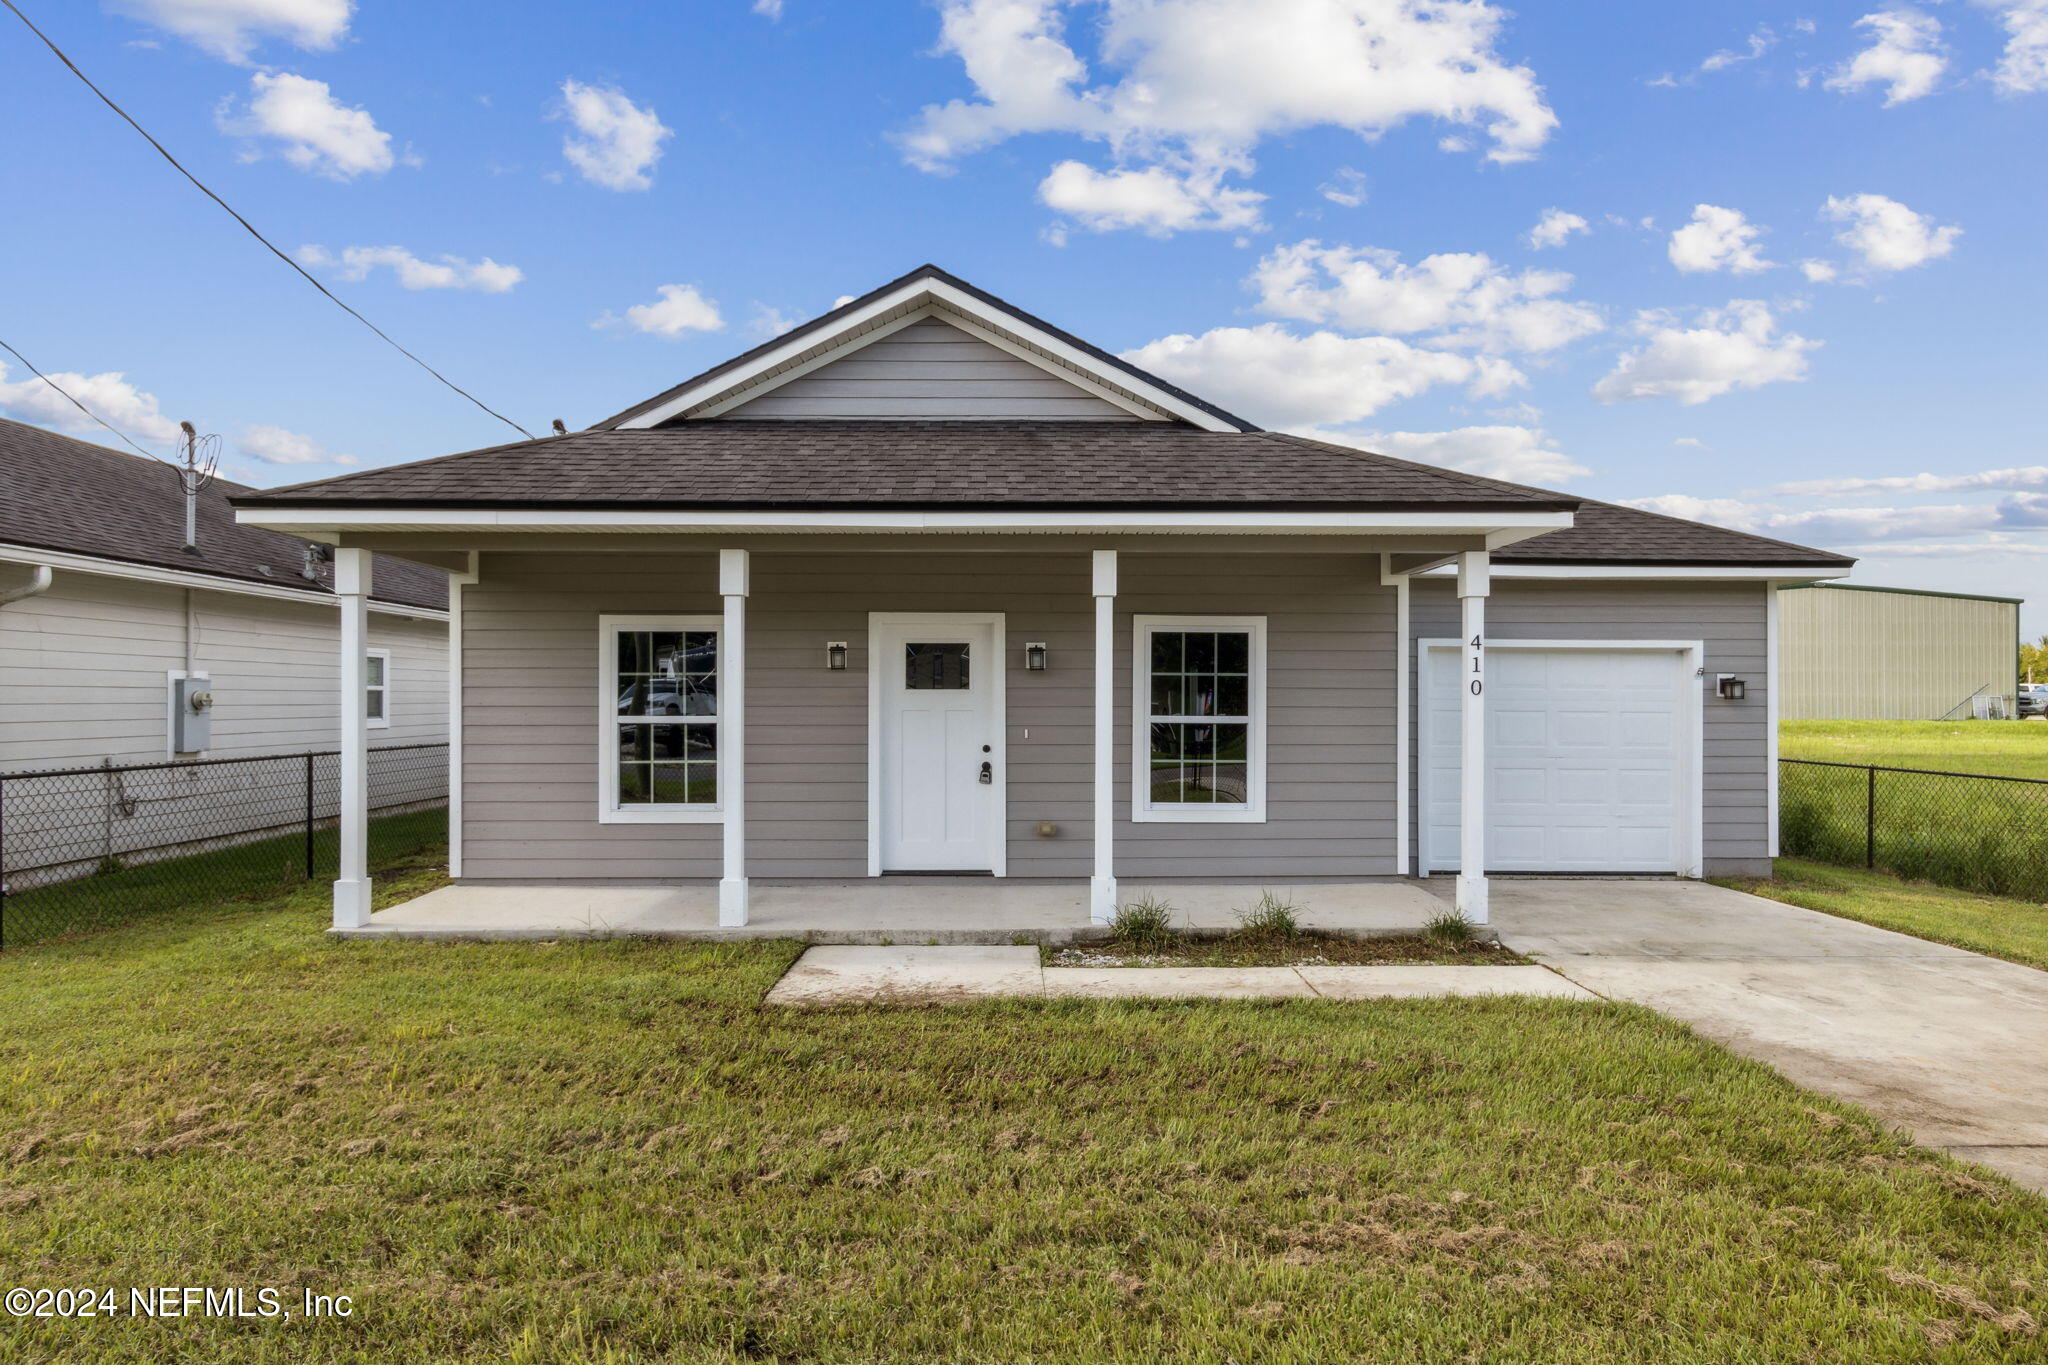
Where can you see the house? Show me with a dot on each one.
(928, 585)
(1855, 652)
(107, 611)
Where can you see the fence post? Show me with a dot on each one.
(1870, 819)
(309, 817)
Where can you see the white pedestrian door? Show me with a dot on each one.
(937, 685)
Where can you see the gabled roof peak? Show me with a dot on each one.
(928, 290)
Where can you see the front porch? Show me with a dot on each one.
(921, 910)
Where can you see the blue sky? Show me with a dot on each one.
(1793, 281)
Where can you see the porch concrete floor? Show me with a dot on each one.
(923, 911)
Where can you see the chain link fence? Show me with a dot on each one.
(85, 848)
(1968, 830)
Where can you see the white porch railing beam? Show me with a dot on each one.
(352, 884)
(1473, 586)
(1102, 886)
(733, 577)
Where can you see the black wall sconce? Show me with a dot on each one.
(835, 656)
(1034, 657)
(1728, 687)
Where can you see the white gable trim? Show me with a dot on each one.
(898, 309)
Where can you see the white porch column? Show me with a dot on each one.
(352, 885)
(732, 736)
(1102, 886)
(1473, 574)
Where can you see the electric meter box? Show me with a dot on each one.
(191, 714)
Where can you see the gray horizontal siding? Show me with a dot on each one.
(531, 733)
(930, 369)
(1728, 618)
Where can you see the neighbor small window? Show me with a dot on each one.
(378, 688)
(659, 759)
(1200, 719)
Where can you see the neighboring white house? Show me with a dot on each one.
(105, 609)
(119, 646)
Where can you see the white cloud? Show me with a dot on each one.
(1155, 200)
(617, 142)
(109, 394)
(1346, 188)
(2019, 479)
(1760, 41)
(275, 445)
(2015, 512)
(2023, 70)
(1196, 85)
(1463, 299)
(1886, 234)
(1306, 382)
(1820, 272)
(769, 9)
(1906, 56)
(771, 322)
(680, 309)
(1718, 239)
(1517, 454)
(1555, 228)
(1736, 347)
(1692, 443)
(231, 29)
(447, 272)
(314, 131)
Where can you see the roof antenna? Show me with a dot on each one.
(202, 458)
(560, 428)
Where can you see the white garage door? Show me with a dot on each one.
(1589, 760)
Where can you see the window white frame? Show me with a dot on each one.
(380, 718)
(1439, 653)
(1143, 810)
(609, 811)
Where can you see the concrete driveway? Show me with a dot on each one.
(1950, 1045)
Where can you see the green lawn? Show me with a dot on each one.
(611, 1151)
(2003, 747)
(2013, 929)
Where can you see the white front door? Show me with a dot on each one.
(1589, 765)
(939, 729)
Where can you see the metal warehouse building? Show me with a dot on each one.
(1850, 652)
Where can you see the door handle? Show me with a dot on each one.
(988, 774)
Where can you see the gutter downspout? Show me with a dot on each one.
(37, 585)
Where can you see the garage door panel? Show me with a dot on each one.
(1586, 760)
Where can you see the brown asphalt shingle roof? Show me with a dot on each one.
(85, 499)
(822, 464)
(817, 464)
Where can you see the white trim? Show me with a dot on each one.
(343, 519)
(1771, 715)
(922, 294)
(609, 811)
(383, 689)
(1404, 857)
(1784, 573)
(999, 845)
(354, 580)
(734, 578)
(185, 578)
(456, 583)
(1474, 584)
(1692, 743)
(1143, 812)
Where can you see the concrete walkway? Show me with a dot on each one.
(840, 975)
(1950, 1045)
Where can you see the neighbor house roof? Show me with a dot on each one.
(1608, 533)
(85, 499)
(979, 300)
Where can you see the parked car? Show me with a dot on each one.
(2033, 700)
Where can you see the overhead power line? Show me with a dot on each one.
(72, 399)
(250, 227)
